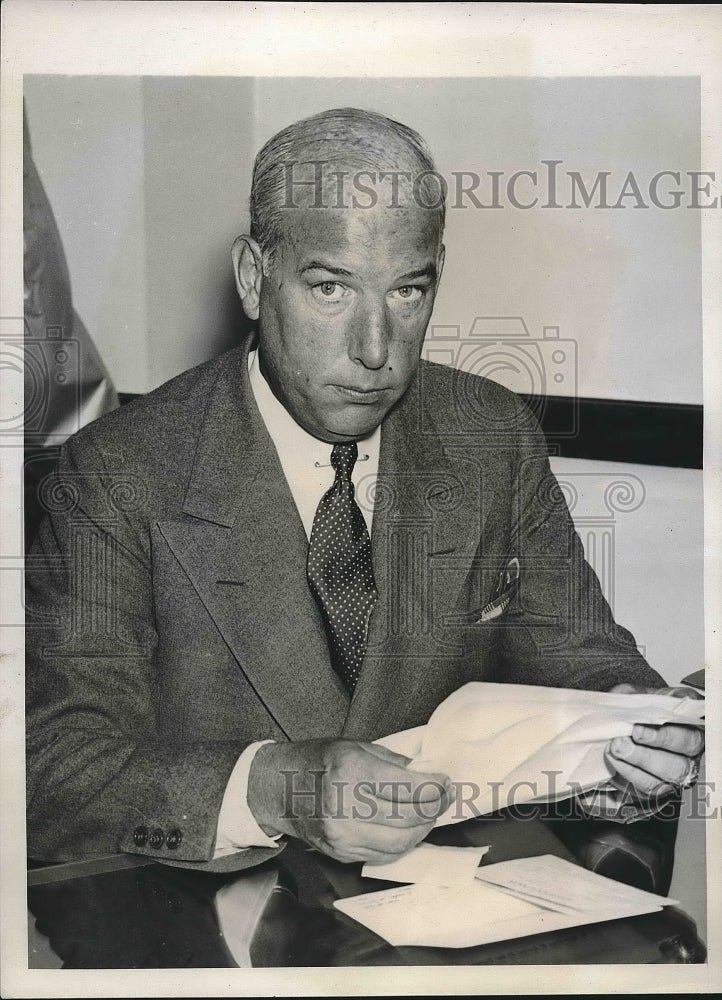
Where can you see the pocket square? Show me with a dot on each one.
(506, 587)
(508, 579)
(495, 608)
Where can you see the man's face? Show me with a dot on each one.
(343, 313)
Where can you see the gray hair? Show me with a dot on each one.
(349, 136)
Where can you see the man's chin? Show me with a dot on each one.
(353, 426)
(349, 434)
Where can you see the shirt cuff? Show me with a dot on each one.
(237, 828)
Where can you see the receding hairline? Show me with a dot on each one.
(352, 131)
(350, 139)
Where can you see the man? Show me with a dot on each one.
(222, 619)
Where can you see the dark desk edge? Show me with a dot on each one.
(80, 869)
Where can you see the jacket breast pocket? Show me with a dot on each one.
(507, 584)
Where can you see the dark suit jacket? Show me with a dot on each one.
(170, 622)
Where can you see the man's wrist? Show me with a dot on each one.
(237, 828)
(264, 797)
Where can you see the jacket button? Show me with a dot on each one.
(140, 836)
(173, 839)
(156, 838)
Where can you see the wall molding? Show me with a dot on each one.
(613, 430)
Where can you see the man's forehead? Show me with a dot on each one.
(352, 233)
(338, 182)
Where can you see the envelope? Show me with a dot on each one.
(504, 744)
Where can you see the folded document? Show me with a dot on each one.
(508, 900)
(566, 887)
(506, 744)
(430, 864)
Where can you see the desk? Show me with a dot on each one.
(126, 912)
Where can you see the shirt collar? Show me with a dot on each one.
(292, 442)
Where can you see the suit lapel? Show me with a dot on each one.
(244, 549)
(245, 554)
(428, 520)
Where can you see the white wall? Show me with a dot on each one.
(149, 180)
(199, 148)
(653, 579)
(624, 284)
(88, 144)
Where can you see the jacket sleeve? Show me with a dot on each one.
(559, 629)
(100, 777)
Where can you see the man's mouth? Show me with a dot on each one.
(359, 395)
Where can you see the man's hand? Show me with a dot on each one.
(655, 760)
(353, 801)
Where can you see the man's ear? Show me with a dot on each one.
(441, 257)
(248, 272)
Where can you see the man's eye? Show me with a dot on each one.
(409, 293)
(329, 291)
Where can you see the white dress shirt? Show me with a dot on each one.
(306, 464)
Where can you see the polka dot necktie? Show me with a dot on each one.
(339, 569)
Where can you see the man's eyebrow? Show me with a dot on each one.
(427, 271)
(320, 265)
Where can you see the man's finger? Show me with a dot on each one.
(643, 783)
(688, 740)
(406, 814)
(675, 692)
(386, 840)
(395, 782)
(663, 765)
(383, 753)
(421, 786)
(364, 802)
(372, 857)
(393, 795)
(393, 779)
(682, 692)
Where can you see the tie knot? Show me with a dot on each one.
(343, 459)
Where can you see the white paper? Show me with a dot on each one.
(461, 917)
(566, 887)
(431, 865)
(407, 742)
(505, 744)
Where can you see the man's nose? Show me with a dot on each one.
(369, 341)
